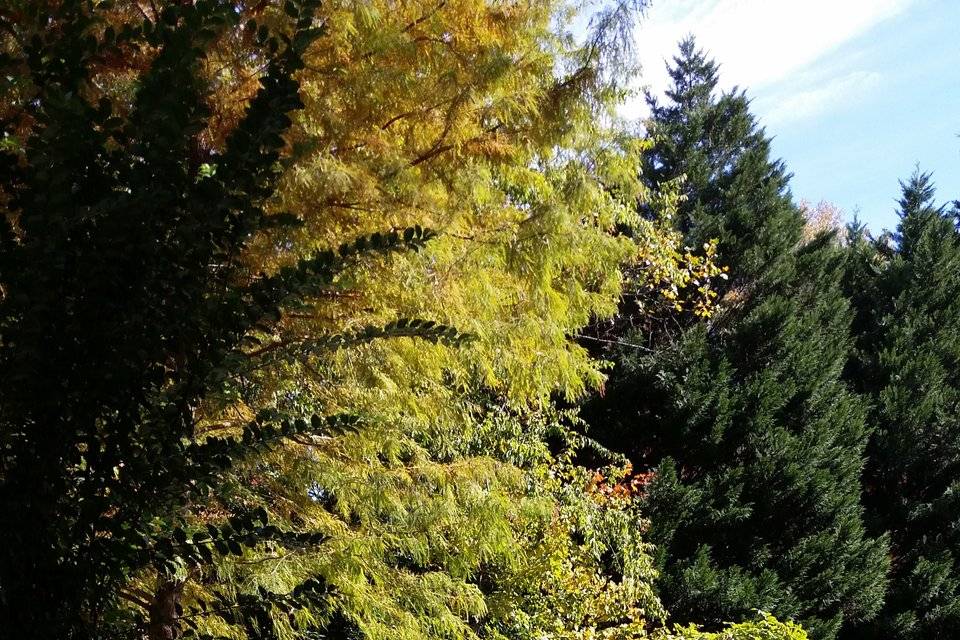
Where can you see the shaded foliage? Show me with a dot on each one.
(754, 443)
(905, 290)
(124, 305)
(286, 295)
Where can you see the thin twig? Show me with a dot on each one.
(616, 342)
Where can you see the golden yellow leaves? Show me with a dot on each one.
(683, 279)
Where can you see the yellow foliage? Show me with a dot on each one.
(471, 118)
(584, 572)
(823, 217)
(766, 627)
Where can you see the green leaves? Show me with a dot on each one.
(148, 272)
(122, 279)
(405, 328)
(311, 276)
(241, 532)
(256, 611)
(304, 38)
(754, 442)
(219, 453)
(412, 238)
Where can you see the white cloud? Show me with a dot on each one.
(757, 42)
(800, 105)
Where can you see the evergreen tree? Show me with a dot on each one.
(182, 328)
(733, 192)
(906, 288)
(755, 445)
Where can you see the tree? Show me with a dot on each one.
(272, 256)
(823, 217)
(733, 192)
(125, 305)
(754, 442)
(522, 220)
(218, 243)
(905, 289)
(582, 568)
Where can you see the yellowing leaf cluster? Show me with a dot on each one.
(481, 121)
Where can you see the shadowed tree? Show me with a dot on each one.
(906, 292)
(755, 443)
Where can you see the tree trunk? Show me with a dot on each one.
(163, 612)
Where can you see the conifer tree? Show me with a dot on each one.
(734, 192)
(906, 290)
(754, 444)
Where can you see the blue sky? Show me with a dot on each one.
(855, 93)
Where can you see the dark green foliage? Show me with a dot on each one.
(906, 289)
(734, 191)
(123, 304)
(756, 445)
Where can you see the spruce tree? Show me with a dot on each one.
(906, 288)
(755, 445)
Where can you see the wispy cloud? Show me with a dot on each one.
(758, 42)
(778, 49)
(792, 106)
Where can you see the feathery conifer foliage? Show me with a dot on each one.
(755, 445)
(906, 291)
(250, 432)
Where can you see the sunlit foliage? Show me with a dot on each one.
(291, 244)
